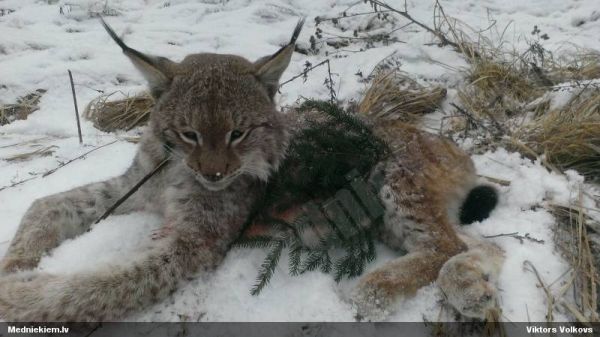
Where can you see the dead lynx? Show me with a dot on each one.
(215, 117)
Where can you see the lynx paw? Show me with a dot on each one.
(371, 300)
(468, 286)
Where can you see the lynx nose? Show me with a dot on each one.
(213, 177)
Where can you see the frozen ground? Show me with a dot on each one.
(38, 44)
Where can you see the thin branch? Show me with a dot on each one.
(76, 158)
(344, 16)
(495, 180)
(443, 39)
(516, 235)
(499, 235)
(133, 190)
(19, 182)
(47, 173)
(332, 93)
(76, 108)
(471, 118)
(304, 72)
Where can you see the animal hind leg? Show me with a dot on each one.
(418, 220)
(468, 280)
(398, 279)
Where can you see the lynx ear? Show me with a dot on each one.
(158, 71)
(270, 68)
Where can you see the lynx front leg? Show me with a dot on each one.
(52, 219)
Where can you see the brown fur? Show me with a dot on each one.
(426, 179)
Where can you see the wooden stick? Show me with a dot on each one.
(38, 174)
(76, 158)
(132, 190)
(76, 109)
(19, 182)
(495, 180)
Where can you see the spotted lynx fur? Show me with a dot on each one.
(215, 117)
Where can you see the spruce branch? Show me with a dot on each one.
(268, 267)
(319, 158)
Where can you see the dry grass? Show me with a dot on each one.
(393, 95)
(42, 151)
(507, 94)
(569, 137)
(20, 110)
(582, 65)
(121, 114)
(497, 89)
(576, 244)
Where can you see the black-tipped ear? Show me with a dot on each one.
(158, 71)
(270, 68)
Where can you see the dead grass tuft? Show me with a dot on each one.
(393, 95)
(582, 65)
(568, 137)
(122, 114)
(508, 94)
(497, 89)
(42, 151)
(579, 242)
(20, 110)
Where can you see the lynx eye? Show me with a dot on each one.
(235, 134)
(190, 137)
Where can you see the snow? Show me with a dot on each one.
(39, 44)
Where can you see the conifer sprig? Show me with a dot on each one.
(320, 157)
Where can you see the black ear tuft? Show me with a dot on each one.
(270, 68)
(158, 71)
(297, 30)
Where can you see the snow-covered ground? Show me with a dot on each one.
(38, 44)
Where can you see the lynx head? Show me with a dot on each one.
(216, 112)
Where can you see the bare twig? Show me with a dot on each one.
(443, 39)
(76, 108)
(47, 173)
(133, 190)
(76, 158)
(495, 180)
(328, 81)
(19, 182)
(516, 235)
(474, 121)
(344, 15)
(329, 84)
(304, 72)
(499, 235)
